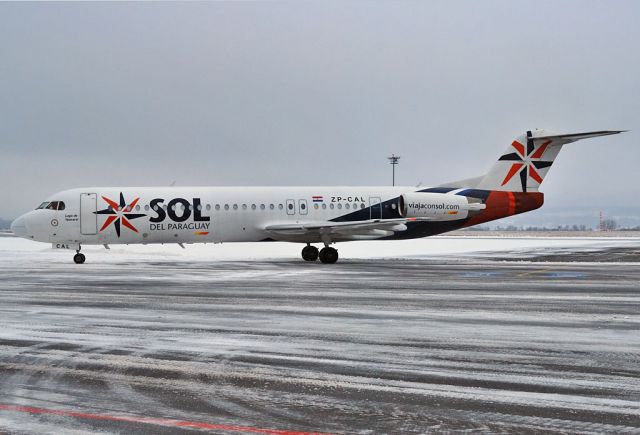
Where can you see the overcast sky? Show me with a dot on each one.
(313, 93)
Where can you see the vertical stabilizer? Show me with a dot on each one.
(527, 160)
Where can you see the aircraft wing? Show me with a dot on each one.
(370, 227)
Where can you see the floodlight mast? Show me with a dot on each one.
(393, 160)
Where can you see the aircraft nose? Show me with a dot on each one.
(19, 227)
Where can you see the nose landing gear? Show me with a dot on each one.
(79, 258)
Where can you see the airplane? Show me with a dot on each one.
(308, 215)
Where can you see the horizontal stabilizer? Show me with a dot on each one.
(577, 136)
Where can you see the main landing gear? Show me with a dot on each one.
(79, 258)
(309, 253)
(327, 255)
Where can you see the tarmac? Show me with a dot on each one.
(542, 342)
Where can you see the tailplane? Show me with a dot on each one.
(527, 160)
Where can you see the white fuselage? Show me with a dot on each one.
(199, 214)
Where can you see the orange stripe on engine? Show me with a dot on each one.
(201, 233)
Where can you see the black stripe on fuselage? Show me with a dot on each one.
(475, 193)
(438, 189)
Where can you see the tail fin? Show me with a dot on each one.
(527, 160)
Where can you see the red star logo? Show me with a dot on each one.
(529, 162)
(120, 213)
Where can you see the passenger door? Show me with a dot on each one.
(88, 217)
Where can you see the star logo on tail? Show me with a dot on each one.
(527, 162)
(119, 214)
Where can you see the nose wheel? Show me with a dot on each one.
(79, 258)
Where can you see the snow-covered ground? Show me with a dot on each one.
(432, 247)
(406, 344)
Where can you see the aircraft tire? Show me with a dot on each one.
(79, 258)
(309, 253)
(328, 255)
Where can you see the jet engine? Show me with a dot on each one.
(438, 206)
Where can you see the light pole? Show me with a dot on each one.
(394, 161)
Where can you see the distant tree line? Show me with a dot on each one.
(608, 225)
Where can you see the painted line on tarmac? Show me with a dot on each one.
(153, 421)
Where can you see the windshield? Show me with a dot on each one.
(53, 205)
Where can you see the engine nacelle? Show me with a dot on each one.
(438, 206)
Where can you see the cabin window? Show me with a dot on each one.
(290, 207)
(137, 208)
(362, 205)
(339, 206)
(316, 206)
(244, 206)
(208, 207)
(331, 206)
(253, 206)
(271, 206)
(217, 206)
(347, 206)
(280, 206)
(262, 207)
(324, 206)
(146, 208)
(226, 206)
(235, 206)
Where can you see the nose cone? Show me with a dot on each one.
(19, 227)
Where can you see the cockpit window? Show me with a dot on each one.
(43, 205)
(60, 205)
(53, 205)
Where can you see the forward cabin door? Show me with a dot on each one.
(88, 217)
(375, 206)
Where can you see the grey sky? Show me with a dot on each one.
(313, 93)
